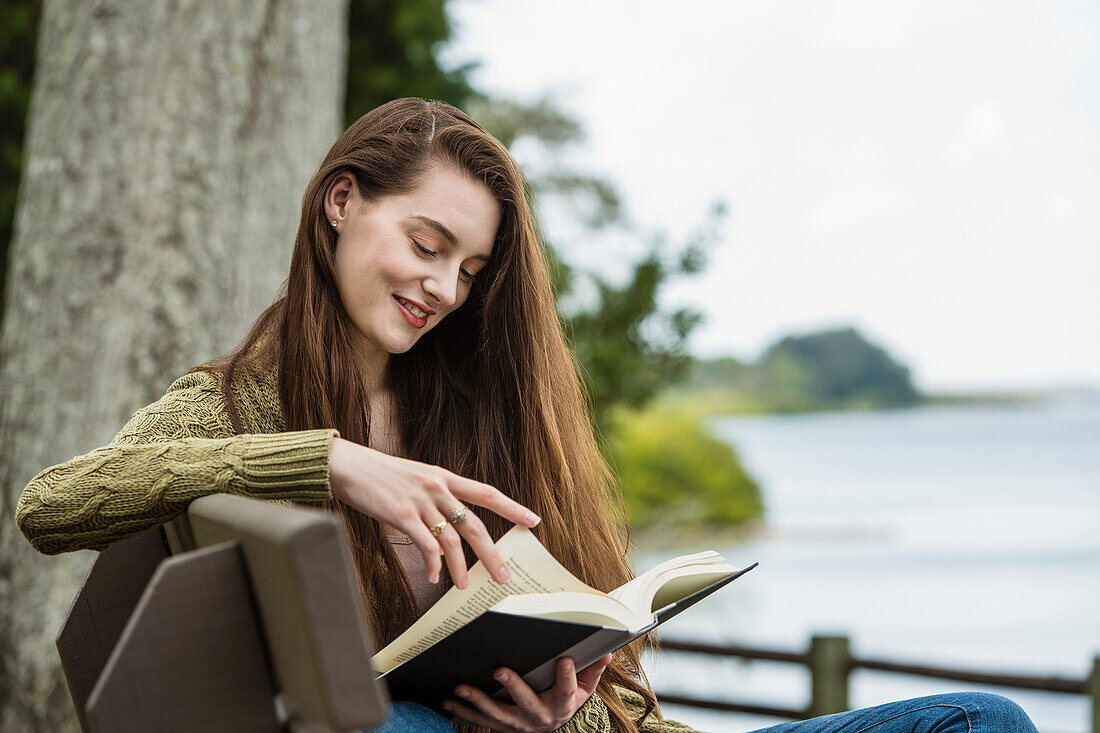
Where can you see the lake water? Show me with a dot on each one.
(962, 537)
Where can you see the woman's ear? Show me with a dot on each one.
(337, 196)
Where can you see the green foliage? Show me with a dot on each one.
(717, 372)
(673, 473)
(629, 347)
(837, 369)
(18, 39)
(624, 362)
(392, 52)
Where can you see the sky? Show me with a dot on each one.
(927, 172)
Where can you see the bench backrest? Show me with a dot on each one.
(243, 615)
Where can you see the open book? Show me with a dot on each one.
(542, 613)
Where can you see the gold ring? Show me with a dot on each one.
(437, 528)
(458, 514)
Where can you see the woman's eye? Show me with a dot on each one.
(467, 276)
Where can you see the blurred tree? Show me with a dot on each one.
(717, 372)
(674, 472)
(156, 215)
(837, 368)
(393, 48)
(628, 346)
(629, 349)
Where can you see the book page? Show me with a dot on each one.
(639, 591)
(533, 570)
(578, 608)
(681, 583)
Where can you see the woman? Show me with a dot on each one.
(413, 376)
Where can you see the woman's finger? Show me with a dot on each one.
(491, 498)
(565, 687)
(589, 677)
(501, 713)
(429, 548)
(474, 532)
(451, 543)
(467, 714)
(523, 695)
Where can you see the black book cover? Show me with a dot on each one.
(530, 646)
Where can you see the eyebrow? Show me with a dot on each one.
(442, 230)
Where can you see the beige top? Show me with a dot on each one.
(412, 561)
(385, 437)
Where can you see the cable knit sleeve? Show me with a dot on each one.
(175, 450)
(592, 717)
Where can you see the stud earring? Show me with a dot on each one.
(334, 222)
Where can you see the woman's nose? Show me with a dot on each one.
(443, 290)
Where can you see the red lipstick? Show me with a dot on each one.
(414, 321)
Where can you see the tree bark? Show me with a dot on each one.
(168, 146)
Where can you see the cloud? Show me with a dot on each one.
(1059, 207)
(923, 169)
(837, 211)
(982, 132)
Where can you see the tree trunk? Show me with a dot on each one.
(168, 146)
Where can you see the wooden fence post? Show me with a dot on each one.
(829, 662)
(1092, 689)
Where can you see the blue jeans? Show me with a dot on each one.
(951, 712)
(409, 717)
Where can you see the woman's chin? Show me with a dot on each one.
(391, 343)
(401, 345)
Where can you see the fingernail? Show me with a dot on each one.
(567, 665)
(503, 573)
(433, 580)
(462, 693)
(501, 676)
(532, 518)
(462, 583)
(448, 705)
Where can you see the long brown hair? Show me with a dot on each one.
(491, 393)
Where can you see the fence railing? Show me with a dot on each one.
(830, 664)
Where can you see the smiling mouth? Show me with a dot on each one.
(413, 307)
(410, 312)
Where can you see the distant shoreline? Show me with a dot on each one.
(1023, 398)
(993, 397)
(715, 400)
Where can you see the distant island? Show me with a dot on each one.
(837, 369)
(678, 478)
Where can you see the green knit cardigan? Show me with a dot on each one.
(183, 446)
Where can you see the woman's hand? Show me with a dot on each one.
(413, 497)
(533, 712)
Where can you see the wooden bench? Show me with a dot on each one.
(240, 615)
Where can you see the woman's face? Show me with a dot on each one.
(407, 260)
